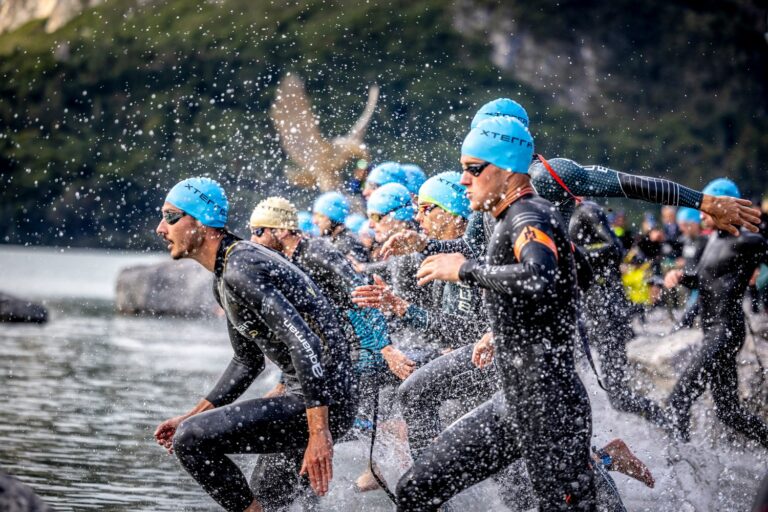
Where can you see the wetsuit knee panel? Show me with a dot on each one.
(190, 437)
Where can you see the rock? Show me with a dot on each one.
(17, 497)
(567, 70)
(15, 13)
(13, 309)
(177, 288)
(663, 359)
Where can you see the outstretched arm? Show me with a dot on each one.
(728, 213)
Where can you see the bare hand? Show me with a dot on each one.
(318, 461)
(728, 213)
(404, 242)
(166, 430)
(440, 267)
(482, 353)
(672, 278)
(380, 296)
(398, 362)
(355, 264)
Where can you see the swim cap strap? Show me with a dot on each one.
(556, 177)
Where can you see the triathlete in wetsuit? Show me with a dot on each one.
(273, 310)
(274, 224)
(531, 298)
(606, 309)
(722, 275)
(330, 210)
(692, 243)
(456, 319)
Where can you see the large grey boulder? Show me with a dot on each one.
(663, 358)
(14, 309)
(177, 288)
(17, 497)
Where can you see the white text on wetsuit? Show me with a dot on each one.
(317, 369)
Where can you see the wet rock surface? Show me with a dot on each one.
(173, 288)
(17, 497)
(15, 309)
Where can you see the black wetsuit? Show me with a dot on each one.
(607, 310)
(273, 309)
(457, 324)
(336, 277)
(531, 300)
(348, 244)
(692, 249)
(722, 276)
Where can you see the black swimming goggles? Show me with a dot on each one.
(475, 169)
(172, 217)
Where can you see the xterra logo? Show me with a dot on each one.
(317, 369)
(207, 200)
(506, 138)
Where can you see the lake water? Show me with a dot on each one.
(83, 394)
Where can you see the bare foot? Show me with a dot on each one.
(366, 482)
(625, 462)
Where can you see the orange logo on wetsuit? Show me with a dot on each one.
(531, 234)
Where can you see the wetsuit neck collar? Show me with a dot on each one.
(513, 193)
(227, 241)
(299, 249)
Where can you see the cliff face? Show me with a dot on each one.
(14, 13)
(568, 70)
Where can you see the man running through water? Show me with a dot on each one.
(721, 277)
(529, 276)
(607, 311)
(561, 181)
(457, 320)
(273, 309)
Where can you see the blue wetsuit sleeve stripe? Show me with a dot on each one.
(370, 327)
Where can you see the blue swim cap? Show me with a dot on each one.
(500, 107)
(392, 198)
(354, 222)
(415, 177)
(722, 187)
(502, 141)
(685, 214)
(306, 225)
(445, 191)
(388, 172)
(333, 205)
(201, 198)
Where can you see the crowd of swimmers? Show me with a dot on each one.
(477, 288)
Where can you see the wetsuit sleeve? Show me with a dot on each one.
(471, 244)
(535, 272)
(456, 330)
(599, 181)
(289, 327)
(239, 374)
(607, 246)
